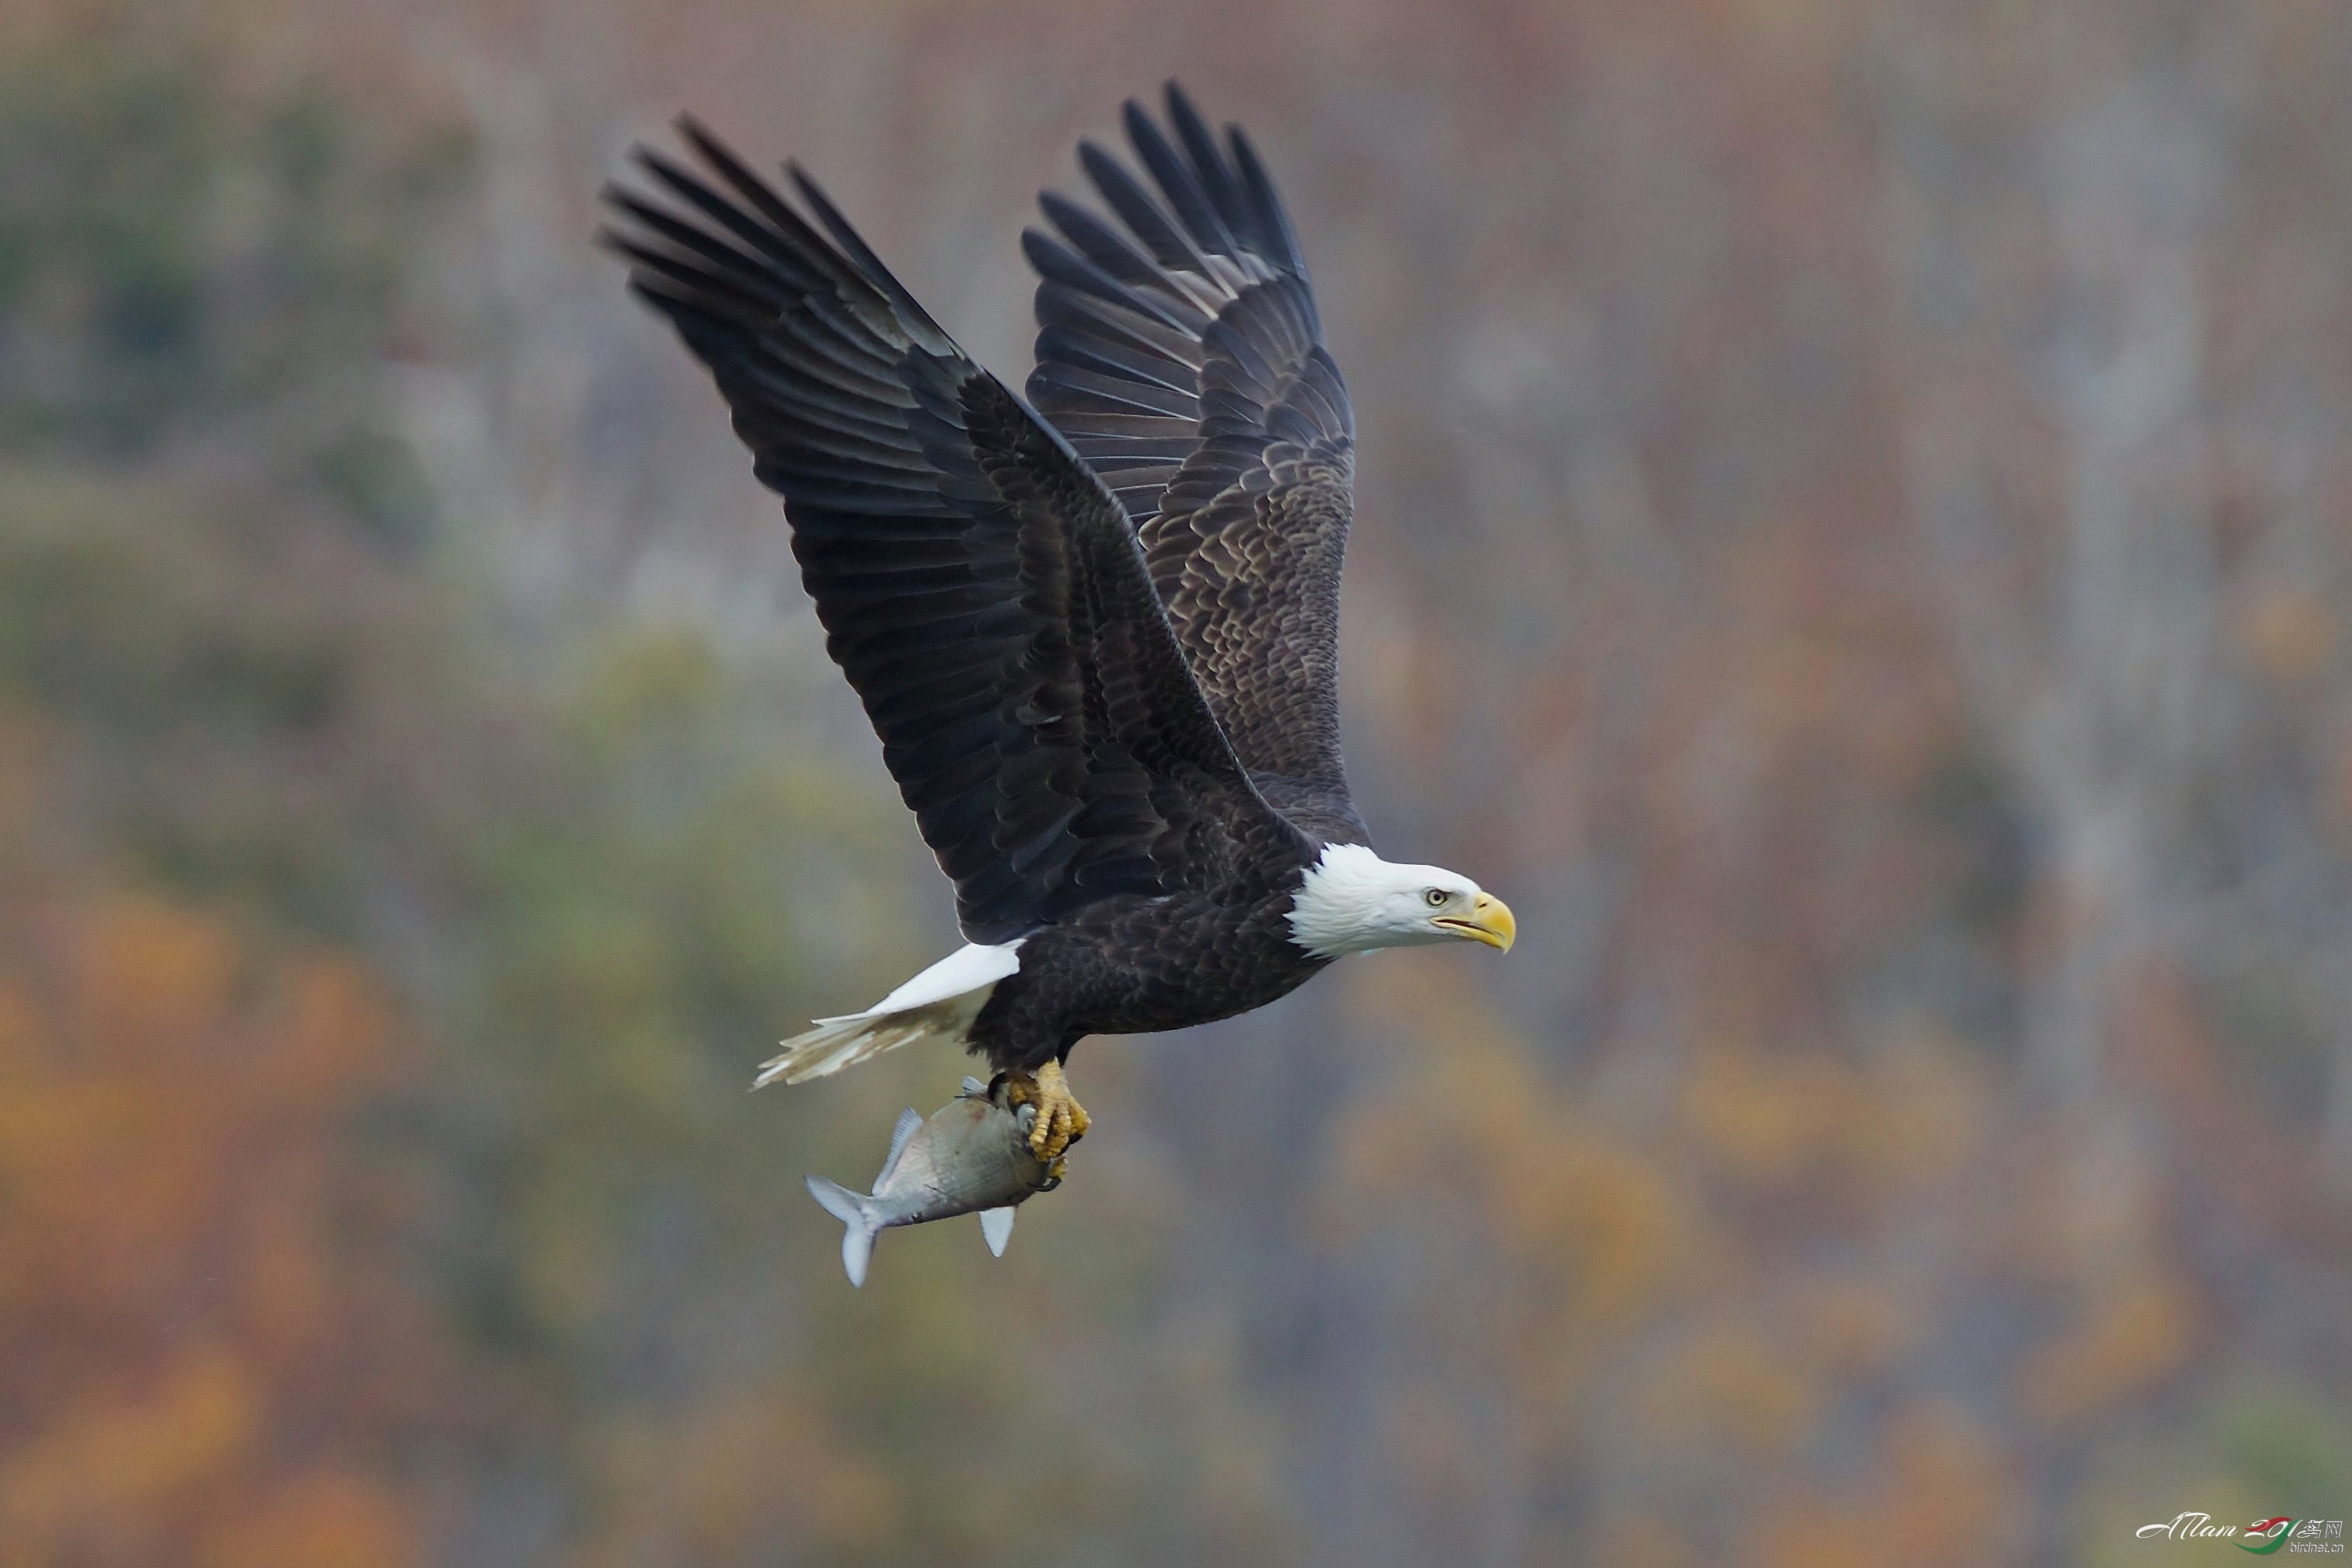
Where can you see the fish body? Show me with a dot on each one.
(971, 1155)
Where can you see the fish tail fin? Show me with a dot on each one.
(857, 1213)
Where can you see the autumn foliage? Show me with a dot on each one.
(1851, 544)
(213, 1348)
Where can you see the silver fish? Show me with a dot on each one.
(972, 1154)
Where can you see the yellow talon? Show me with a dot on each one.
(1061, 1120)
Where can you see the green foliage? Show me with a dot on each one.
(172, 261)
(107, 162)
(2288, 1446)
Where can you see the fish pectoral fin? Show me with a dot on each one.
(996, 1225)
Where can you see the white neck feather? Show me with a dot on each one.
(1332, 913)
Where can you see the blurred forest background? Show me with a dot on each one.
(1855, 542)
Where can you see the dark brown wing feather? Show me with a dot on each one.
(981, 588)
(1179, 351)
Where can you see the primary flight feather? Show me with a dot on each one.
(1095, 630)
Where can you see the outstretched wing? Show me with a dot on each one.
(1179, 351)
(981, 588)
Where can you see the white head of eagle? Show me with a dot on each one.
(1353, 901)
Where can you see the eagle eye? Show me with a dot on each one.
(1436, 897)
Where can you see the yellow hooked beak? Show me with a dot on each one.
(1489, 921)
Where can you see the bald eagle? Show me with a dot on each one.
(1095, 628)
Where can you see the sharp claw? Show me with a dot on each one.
(1061, 1120)
(1051, 1134)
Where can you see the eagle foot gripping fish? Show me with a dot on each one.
(972, 1154)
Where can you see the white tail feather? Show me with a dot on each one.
(938, 1003)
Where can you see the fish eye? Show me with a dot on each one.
(1435, 897)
